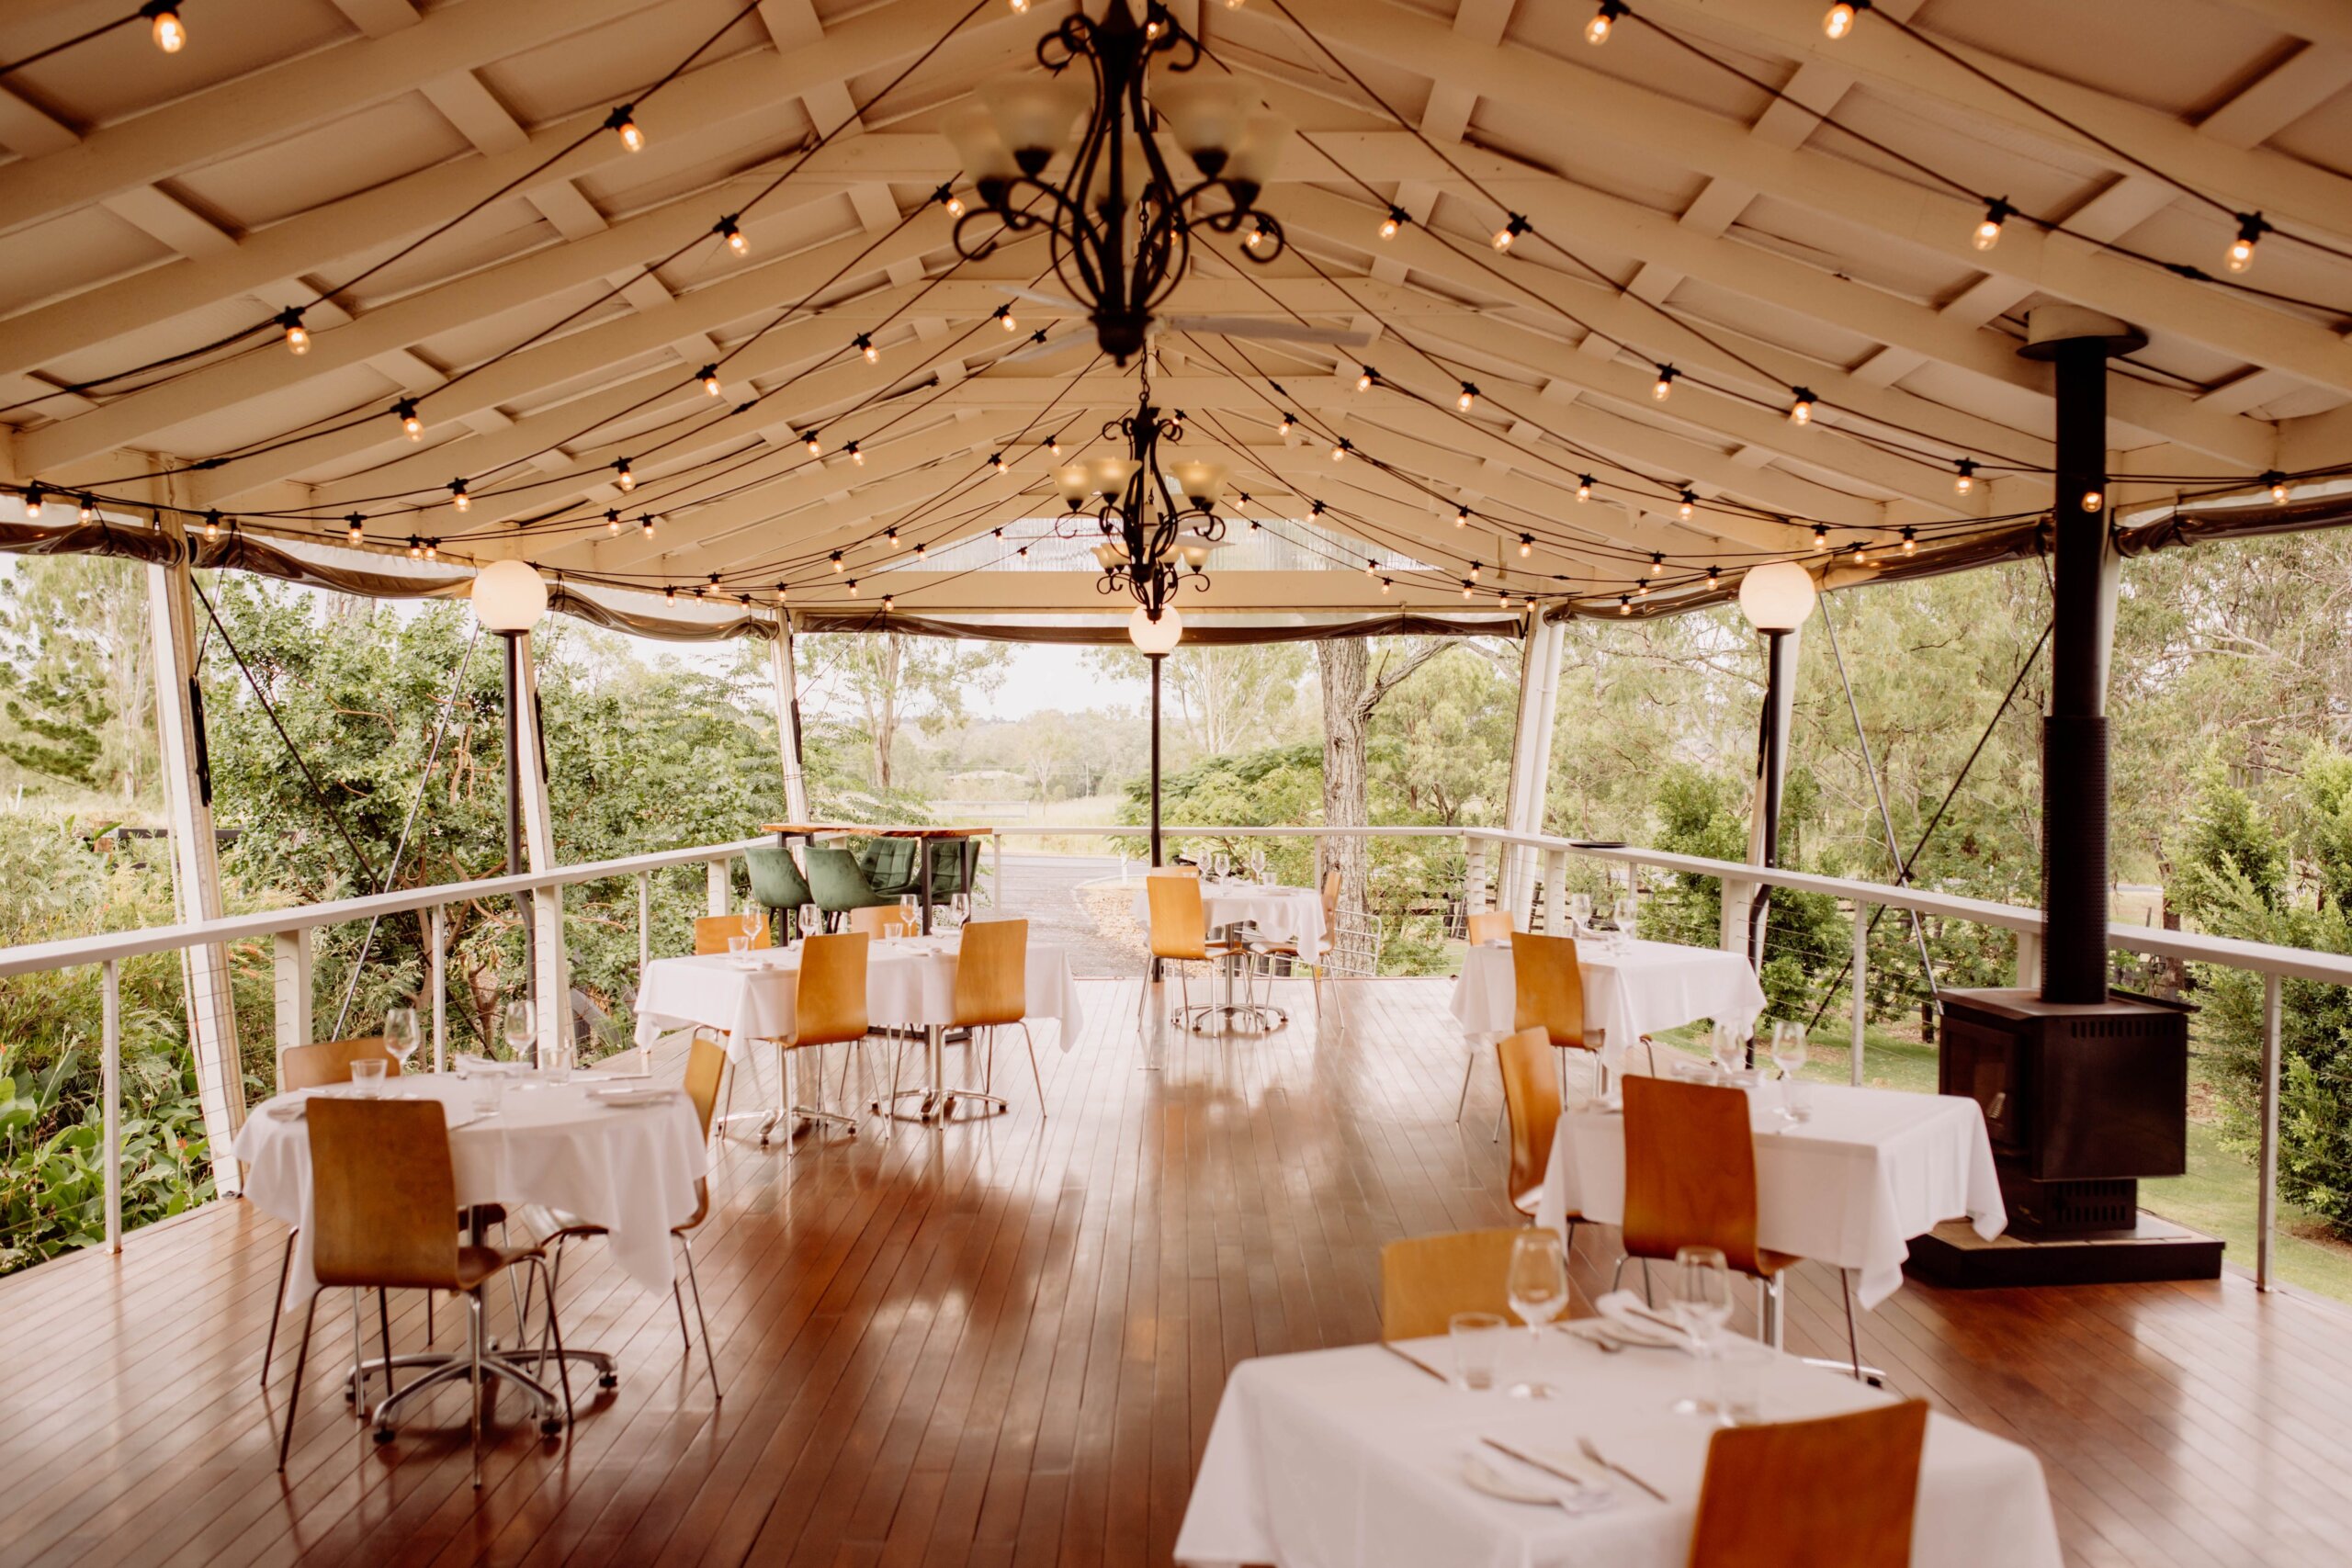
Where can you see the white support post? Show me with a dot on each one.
(2030, 960)
(996, 869)
(291, 970)
(788, 718)
(717, 889)
(196, 862)
(110, 1080)
(645, 954)
(437, 924)
(1530, 761)
(1473, 885)
(550, 957)
(1862, 976)
(1555, 892)
(2267, 1193)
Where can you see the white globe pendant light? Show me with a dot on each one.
(1777, 597)
(1156, 637)
(509, 596)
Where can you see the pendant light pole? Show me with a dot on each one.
(510, 598)
(1776, 598)
(1158, 660)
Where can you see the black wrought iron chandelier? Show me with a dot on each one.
(1156, 526)
(1120, 221)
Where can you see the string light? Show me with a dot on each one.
(621, 125)
(2277, 483)
(1465, 587)
(298, 337)
(1462, 517)
(1385, 585)
(955, 205)
(780, 593)
(670, 592)
(1663, 387)
(612, 520)
(1642, 591)
(837, 560)
(86, 511)
(1365, 377)
(816, 447)
(163, 22)
(1397, 217)
(1624, 604)
(1988, 227)
(1820, 537)
(415, 548)
(1964, 476)
(2251, 228)
(1583, 487)
(1283, 428)
(1469, 396)
(2093, 499)
(854, 455)
(410, 423)
(1861, 556)
(457, 496)
(1800, 410)
(1510, 232)
(710, 380)
(355, 530)
(996, 461)
(1657, 560)
(1526, 545)
(887, 600)
(33, 494)
(645, 524)
(1053, 446)
(1255, 237)
(890, 536)
(1910, 541)
(623, 476)
(731, 231)
(1840, 19)
(1714, 577)
(853, 588)
(1004, 318)
(865, 346)
(1474, 571)
(211, 524)
(1342, 449)
(1371, 566)
(922, 552)
(432, 549)
(1596, 31)
(1689, 502)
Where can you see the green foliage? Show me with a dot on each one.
(57, 720)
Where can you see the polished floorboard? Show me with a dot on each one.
(1003, 1342)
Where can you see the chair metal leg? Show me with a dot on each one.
(1035, 1075)
(1617, 1277)
(1853, 1340)
(563, 1362)
(1469, 1060)
(277, 1302)
(473, 1375)
(384, 1325)
(694, 1283)
(294, 1394)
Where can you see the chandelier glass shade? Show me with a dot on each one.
(1119, 219)
(1154, 527)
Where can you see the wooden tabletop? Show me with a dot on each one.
(809, 827)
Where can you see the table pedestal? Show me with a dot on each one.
(937, 1101)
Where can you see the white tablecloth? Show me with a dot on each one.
(631, 1170)
(910, 982)
(1350, 1459)
(1294, 914)
(1873, 1168)
(1654, 985)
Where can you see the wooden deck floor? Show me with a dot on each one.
(1003, 1343)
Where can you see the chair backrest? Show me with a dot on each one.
(329, 1061)
(950, 865)
(1550, 986)
(835, 881)
(776, 882)
(383, 1197)
(878, 920)
(706, 1064)
(1838, 1490)
(1179, 919)
(1331, 897)
(712, 932)
(1532, 1095)
(828, 996)
(1690, 1170)
(993, 974)
(1425, 1279)
(888, 863)
(1489, 925)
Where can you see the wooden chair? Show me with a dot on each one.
(1691, 1181)
(382, 1190)
(1487, 925)
(712, 934)
(993, 991)
(879, 921)
(706, 1066)
(1180, 929)
(314, 1066)
(828, 1008)
(1530, 1075)
(1840, 1490)
(1325, 945)
(1425, 1279)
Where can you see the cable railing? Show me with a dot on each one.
(1522, 872)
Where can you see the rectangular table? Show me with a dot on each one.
(1651, 986)
(1872, 1169)
(1350, 1459)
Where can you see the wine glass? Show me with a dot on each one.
(910, 913)
(1787, 1055)
(1728, 1046)
(516, 1023)
(752, 917)
(811, 920)
(402, 1036)
(1701, 1305)
(1579, 913)
(1625, 912)
(1537, 1288)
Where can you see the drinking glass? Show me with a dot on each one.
(752, 915)
(910, 914)
(739, 952)
(516, 1023)
(1728, 1047)
(1579, 913)
(1477, 1348)
(367, 1077)
(402, 1034)
(1626, 916)
(1257, 865)
(1739, 1381)
(812, 920)
(556, 1058)
(1787, 1055)
(1701, 1304)
(1537, 1287)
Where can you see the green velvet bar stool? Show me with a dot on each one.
(890, 866)
(777, 886)
(836, 883)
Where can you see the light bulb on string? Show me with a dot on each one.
(2277, 483)
(1255, 237)
(1474, 571)
(854, 455)
(415, 548)
(1840, 19)
(432, 549)
(955, 205)
(356, 529)
(1364, 378)
(2093, 499)
(2251, 228)
(853, 588)
(623, 476)
(1963, 476)
(1663, 388)
(1820, 537)
(816, 447)
(458, 498)
(612, 520)
(1462, 517)
(922, 552)
(1689, 503)
(1910, 541)
(164, 26)
(1340, 449)
(1714, 577)
(211, 524)
(1861, 555)
(645, 524)
(731, 231)
(1053, 446)
(1004, 318)
(298, 337)
(865, 346)
(1800, 407)
(710, 380)
(890, 536)
(621, 125)
(1284, 427)
(411, 424)
(1511, 230)
(837, 560)
(1526, 545)
(1466, 589)
(1397, 217)
(996, 461)
(1596, 31)
(1988, 227)
(1583, 487)
(1385, 585)
(1468, 398)
(33, 494)
(86, 510)
(1657, 562)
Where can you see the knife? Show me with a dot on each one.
(1415, 1363)
(1578, 1481)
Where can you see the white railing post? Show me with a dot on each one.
(2265, 1201)
(644, 919)
(2030, 960)
(291, 967)
(110, 1077)
(439, 922)
(996, 868)
(715, 884)
(1474, 881)
(1861, 989)
(1555, 892)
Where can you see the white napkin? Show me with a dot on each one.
(1593, 1488)
(1629, 1317)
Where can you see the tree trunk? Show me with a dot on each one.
(1345, 665)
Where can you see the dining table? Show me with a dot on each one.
(1356, 1458)
(1631, 988)
(910, 984)
(1867, 1170)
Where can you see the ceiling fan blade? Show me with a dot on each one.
(1055, 300)
(1270, 330)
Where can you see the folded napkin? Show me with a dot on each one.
(1630, 1318)
(1579, 1486)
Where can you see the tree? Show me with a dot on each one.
(73, 632)
(892, 679)
(1353, 685)
(1220, 700)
